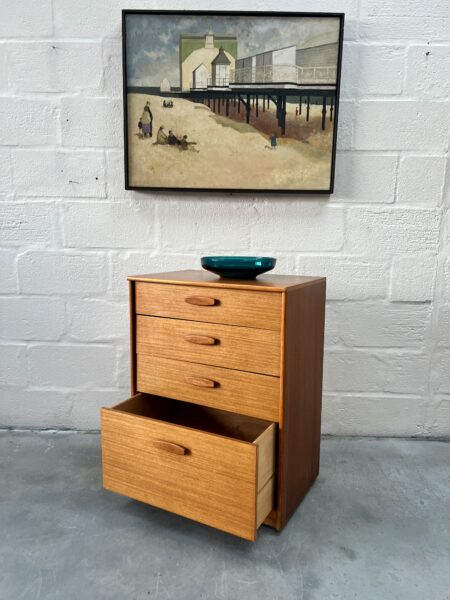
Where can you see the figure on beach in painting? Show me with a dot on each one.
(146, 121)
(172, 139)
(164, 139)
(185, 145)
(161, 136)
(273, 142)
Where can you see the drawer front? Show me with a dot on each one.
(214, 482)
(212, 305)
(241, 348)
(245, 393)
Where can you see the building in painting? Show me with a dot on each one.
(315, 62)
(209, 61)
(206, 60)
(221, 70)
(165, 86)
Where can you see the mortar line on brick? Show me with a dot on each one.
(378, 350)
(438, 298)
(73, 390)
(404, 152)
(398, 99)
(380, 395)
(48, 148)
(30, 40)
(59, 210)
(396, 172)
(72, 344)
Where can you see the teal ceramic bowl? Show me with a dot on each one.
(238, 267)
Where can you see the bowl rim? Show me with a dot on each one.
(239, 258)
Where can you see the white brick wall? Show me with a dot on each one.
(26, 223)
(402, 125)
(405, 28)
(58, 173)
(13, 366)
(8, 271)
(277, 223)
(49, 66)
(31, 20)
(413, 277)
(28, 122)
(62, 273)
(379, 325)
(386, 232)
(32, 318)
(104, 225)
(72, 366)
(355, 170)
(380, 70)
(425, 66)
(376, 371)
(3, 69)
(70, 234)
(84, 324)
(102, 117)
(421, 180)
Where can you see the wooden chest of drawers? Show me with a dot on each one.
(223, 425)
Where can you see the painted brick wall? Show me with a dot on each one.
(70, 234)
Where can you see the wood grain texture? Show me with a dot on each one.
(264, 501)
(215, 482)
(132, 315)
(246, 393)
(229, 307)
(266, 455)
(252, 373)
(299, 433)
(269, 283)
(241, 348)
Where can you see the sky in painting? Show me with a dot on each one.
(153, 40)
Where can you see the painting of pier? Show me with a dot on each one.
(231, 101)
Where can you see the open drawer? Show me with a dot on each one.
(203, 463)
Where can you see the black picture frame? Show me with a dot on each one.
(222, 191)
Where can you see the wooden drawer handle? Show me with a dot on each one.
(201, 382)
(201, 300)
(204, 340)
(170, 447)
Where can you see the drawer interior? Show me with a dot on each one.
(202, 418)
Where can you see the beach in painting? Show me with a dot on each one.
(228, 152)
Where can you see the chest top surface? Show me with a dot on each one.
(268, 283)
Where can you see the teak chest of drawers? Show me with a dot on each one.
(223, 425)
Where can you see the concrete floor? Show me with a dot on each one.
(376, 525)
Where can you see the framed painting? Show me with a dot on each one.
(231, 101)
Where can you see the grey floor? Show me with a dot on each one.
(376, 525)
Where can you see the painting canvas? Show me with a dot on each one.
(231, 101)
